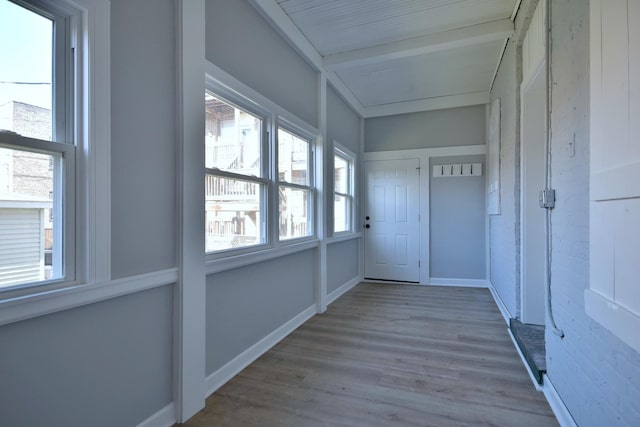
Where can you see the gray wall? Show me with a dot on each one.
(440, 128)
(143, 136)
(597, 376)
(246, 304)
(504, 228)
(105, 364)
(343, 124)
(110, 363)
(243, 44)
(343, 260)
(457, 222)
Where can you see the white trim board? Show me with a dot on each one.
(468, 283)
(165, 417)
(334, 295)
(428, 104)
(560, 410)
(27, 307)
(503, 308)
(558, 407)
(217, 379)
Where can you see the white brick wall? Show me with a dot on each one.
(597, 376)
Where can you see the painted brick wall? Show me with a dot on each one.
(596, 375)
(503, 228)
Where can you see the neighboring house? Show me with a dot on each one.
(26, 194)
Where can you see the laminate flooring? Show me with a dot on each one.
(387, 355)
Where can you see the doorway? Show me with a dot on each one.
(533, 135)
(392, 220)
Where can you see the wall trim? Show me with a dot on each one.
(342, 238)
(231, 262)
(503, 308)
(30, 306)
(334, 295)
(165, 417)
(244, 359)
(469, 283)
(558, 407)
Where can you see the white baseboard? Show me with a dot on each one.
(557, 405)
(217, 379)
(165, 417)
(342, 290)
(503, 308)
(468, 283)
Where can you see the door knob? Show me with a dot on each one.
(367, 226)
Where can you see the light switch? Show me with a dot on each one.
(476, 169)
(446, 170)
(466, 169)
(456, 170)
(437, 170)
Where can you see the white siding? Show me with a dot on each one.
(21, 246)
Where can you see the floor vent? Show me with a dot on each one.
(530, 339)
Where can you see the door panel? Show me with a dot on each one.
(392, 247)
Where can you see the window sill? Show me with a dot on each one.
(620, 321)
(343, 237)
(236, 261)
(50, 301)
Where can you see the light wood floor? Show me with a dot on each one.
(387, 355)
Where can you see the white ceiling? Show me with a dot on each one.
(396, 56)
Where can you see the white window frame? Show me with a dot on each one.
(87, 162)
(228, 88)
(343, 152)
(291, 128)
(245, 104)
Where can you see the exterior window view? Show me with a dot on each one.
(238, 180)
(294, 190)
(343, 192)
(27, 174)
(234, 188)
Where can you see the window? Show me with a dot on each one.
(343, 190)
(259, 175)
(235, 185)
(37, 147)
(295, 191)
(54, 145)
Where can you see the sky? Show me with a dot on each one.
(25, 55)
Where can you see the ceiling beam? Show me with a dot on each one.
(467, 36)
(428, 104)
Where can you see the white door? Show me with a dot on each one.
(391, 234)
(534, 126)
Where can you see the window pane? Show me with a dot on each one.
(341, 170)
(293, 158)
(295, 218)
(29, 234)
(233, 215)
(25, 74)
(341, 213)
(232, 138)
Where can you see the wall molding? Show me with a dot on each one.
(503, 308)
(469, 283)
(334, 295)
(558, 407)
(30, 306)
(165, 417)
(244, 359)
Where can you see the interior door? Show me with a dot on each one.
(392, 245)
